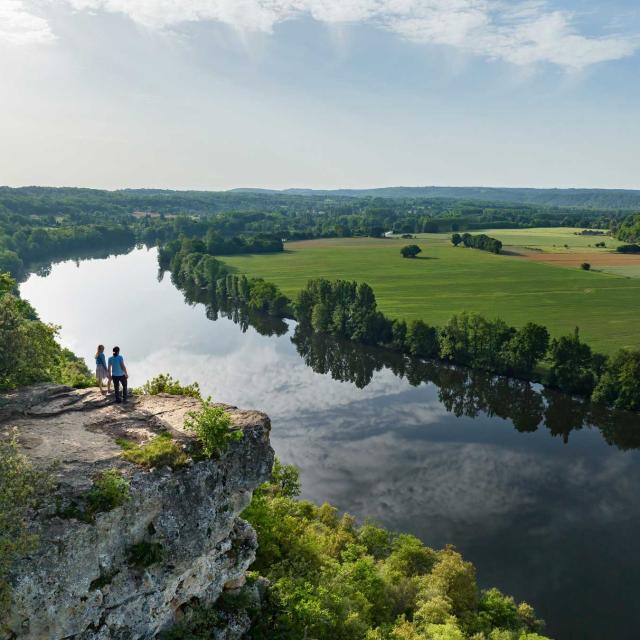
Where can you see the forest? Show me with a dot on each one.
(156, 216)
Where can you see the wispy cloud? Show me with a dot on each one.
(20, 26)
(522, 32)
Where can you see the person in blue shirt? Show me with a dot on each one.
(119, 374)
(102, 373)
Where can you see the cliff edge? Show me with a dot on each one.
(83, 581)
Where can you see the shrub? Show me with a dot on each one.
(21, 486)
(164, 383)
(160, 451)
(109, 490)
(212, 427)
(585, 266)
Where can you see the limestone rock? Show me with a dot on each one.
(81, 583)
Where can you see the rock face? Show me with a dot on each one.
(81, 582)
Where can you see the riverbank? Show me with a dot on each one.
(450, 456)
(118, 552)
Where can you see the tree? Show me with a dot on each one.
(585, 266)
(321, 318)
(399, 334)
(29, 351)
(456, 239)
(410, 251)
(572, 365)
(619, 386)
(262, 293)
(526, 348)
(422, 340)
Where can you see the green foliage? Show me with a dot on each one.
(212, 427)
(572, 365)
(475, 341)
(585, 266)
(28, 349)
(526, 347)
(410, 251)
(619, 385)
(110, 490)
(628, 248)
(481, 241)
(164, 383)
(161, 451)
(73, 371)
(422, 340)
(144, 554)
(456, 239)
(514, 289)
(344, 309)
(331, 579)
(629, 230)
(266, 298)
(21, 487)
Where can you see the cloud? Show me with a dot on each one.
(20, 26)
(522, 32)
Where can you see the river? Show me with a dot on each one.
(538, 490)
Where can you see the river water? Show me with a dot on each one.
(538, 490)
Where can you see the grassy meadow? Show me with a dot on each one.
(551, 240)
(445, 280)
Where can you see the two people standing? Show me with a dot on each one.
(115, 370)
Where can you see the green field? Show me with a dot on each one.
(549, 239)
(447, 280)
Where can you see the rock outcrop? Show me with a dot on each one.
(81, 582)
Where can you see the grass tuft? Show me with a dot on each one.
(161, 451)
(110, 490)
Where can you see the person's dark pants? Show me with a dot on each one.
(116, 387)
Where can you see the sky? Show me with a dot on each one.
(217, 94)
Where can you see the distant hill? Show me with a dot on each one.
(579, 198)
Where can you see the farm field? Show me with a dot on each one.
(445, 280)
(563, 248)
(551, 240)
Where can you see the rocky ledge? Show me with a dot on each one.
(81, 582)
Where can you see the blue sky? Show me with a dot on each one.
(214, 94)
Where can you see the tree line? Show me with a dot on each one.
(467, 392)
(628, 248)
(23, 244)
(478, 241)
(349, 310)
(191, 265)
(628, 230)
(288, 216)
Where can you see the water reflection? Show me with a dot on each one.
(461, 391)
(43, 267)
(448, 454)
